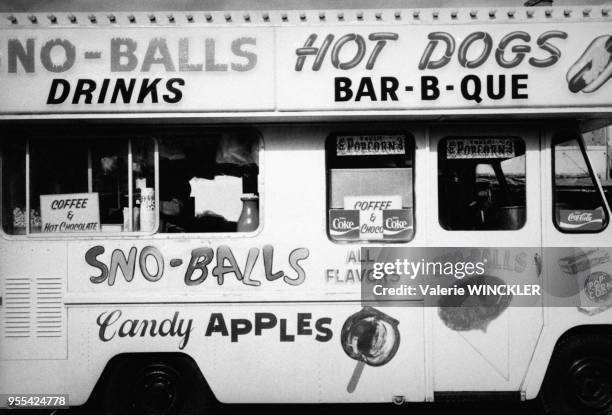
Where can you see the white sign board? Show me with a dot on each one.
(371, 212)
(170, 69)
(440, 66)
(71, 212)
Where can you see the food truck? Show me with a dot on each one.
(219, 206)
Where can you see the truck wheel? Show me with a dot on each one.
(579, 377)
(156, 386)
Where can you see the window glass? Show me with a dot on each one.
(578, 204)
(370, 187)
(599, 149)
(13, 186)
(209, 182)
(481, 183)
(75, 185)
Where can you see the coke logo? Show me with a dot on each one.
(580, 217)
(395, 223)
(343, 223)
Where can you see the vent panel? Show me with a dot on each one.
(32, 318)
(18, 307)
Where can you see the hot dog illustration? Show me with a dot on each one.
(593, 68)
(370, 337)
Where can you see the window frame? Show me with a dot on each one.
(555, 139)
(444, 139)
(63, 235)
(135, 131)
(333, 136)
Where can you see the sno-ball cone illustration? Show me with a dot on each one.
(371, 337)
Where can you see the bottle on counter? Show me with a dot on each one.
(249, 217)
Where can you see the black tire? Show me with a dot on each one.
(156, 385)
(579, 377)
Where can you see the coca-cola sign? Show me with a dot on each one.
(589, 220)
(344, 224)
(397, 224)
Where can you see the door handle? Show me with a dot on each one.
(538, 263)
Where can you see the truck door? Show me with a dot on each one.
(576, 224)
(487, 197)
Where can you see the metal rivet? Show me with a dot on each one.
(34, 20)
(398, 15)
(340, 16)
(72, 18)
(303, 16)
(52, 18)
(208, 17)
(548, 12)
(453, 14)
(567, 12)
(605, 12)
(112, 18)
(321, 15)
(415, 14)
(228, 17)
(511, 13)
(474, 14)
(378, 15)
(359, 15)
(247, 17)
(586, 12)
(12, 19)
(492, 13)
(284, 17)
(131, 18)
(92, 18)
(189, 18)
(152, 18)
(435, 14)
(530, 13)
(266, 16)
(171, 18)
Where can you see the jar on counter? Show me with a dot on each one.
(249, 217)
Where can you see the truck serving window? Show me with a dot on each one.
(481, 183)
(55, 185)
(370, 187)
(209, 182)
(578, 204)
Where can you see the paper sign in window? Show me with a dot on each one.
(71, 212)
(370, 145)
(371, 210)
(477, 148)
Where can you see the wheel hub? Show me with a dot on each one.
(157, 391)
(592, 382)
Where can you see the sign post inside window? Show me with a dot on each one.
(73, 212)
(370, 145)
(480, 148)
